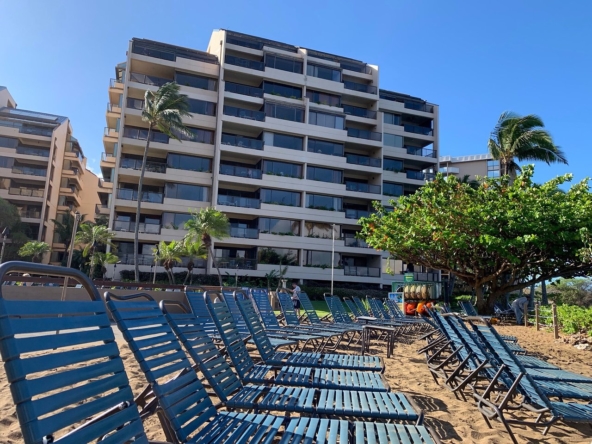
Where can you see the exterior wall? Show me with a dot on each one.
(89, 195)
(361, 106)
(472, 166)
(39, 197)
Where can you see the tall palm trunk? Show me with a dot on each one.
(138, 207)
(211, 250)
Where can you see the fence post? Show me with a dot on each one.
(555, 321)
(536, 316)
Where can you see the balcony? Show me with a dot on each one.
(135, 103)
(115, 83)
(105, 157)
(235, 201)
(245, 90)
(363, 69)
(364, 134)
(359, 112)
(360, 87)
(102, 209)
(361, 271)
(356, 159)
(142, 134)
(352, 241)
(136, 164)
(143, 259)
(356, 214)
(28, 192)
(29, 151)
(449, 170)
(30, 214)
(244, 233)
(423, 152)
(110, 132)
(245, 63)
(147, 196)
(240, 171)
(31, 171)
(28, 129)
(240, 264)
(148, 80)
(131, 226)
(417, 106)
(242, 141)
(362, 187)
(419, 175)
(425, 131)
(244, 113)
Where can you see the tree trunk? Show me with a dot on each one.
(168, 273)
(531, 298)
(154, 276)
(211, 250)
(485, 304)
(544, 298)
(139, 205)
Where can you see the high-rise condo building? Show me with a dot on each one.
(292, 144)
(472, 166)
(43, 172)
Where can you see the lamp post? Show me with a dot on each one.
(332, 256)
(69, 263)
(5, 234)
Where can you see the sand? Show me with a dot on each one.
(453, 420)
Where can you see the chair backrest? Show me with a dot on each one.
(468, 308)
(62, 380)
(377, 308)
(233, 341)
(234, 311)
(198, 308)
(261, 299)
(498, 347)
(337, 310)
(256, 328)
(309, 309)
(360, 304)
(394, 309)
(353, 307)
(287, 307)
(203, 351)
(184, 401)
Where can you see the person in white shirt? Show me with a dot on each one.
(295, 299)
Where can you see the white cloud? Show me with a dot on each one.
(99, 174)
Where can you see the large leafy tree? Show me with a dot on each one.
(501, 237)
(163, 111)
(35, 250)
(93, 237)
(205, 224)
(522, 138)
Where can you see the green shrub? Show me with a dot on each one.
(574, 319)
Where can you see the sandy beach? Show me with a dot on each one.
(453, 420)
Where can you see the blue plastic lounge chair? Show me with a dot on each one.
(189, 411)
(315, 341)
(343, 361)
(235, 395)
(317, 322)
(320, 377)
(86, 388)
(534, 400)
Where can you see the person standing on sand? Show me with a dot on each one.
(295, 299)
(519, 307)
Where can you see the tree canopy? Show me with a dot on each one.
(501, 237)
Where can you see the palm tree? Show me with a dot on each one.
(168, 255)
(34, 249)
(204, 225)
(193, 250)
(93, 236)
(163, 110)
(102, 259)
(65, 227)
(522, 138)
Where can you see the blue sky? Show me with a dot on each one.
(474, 59)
